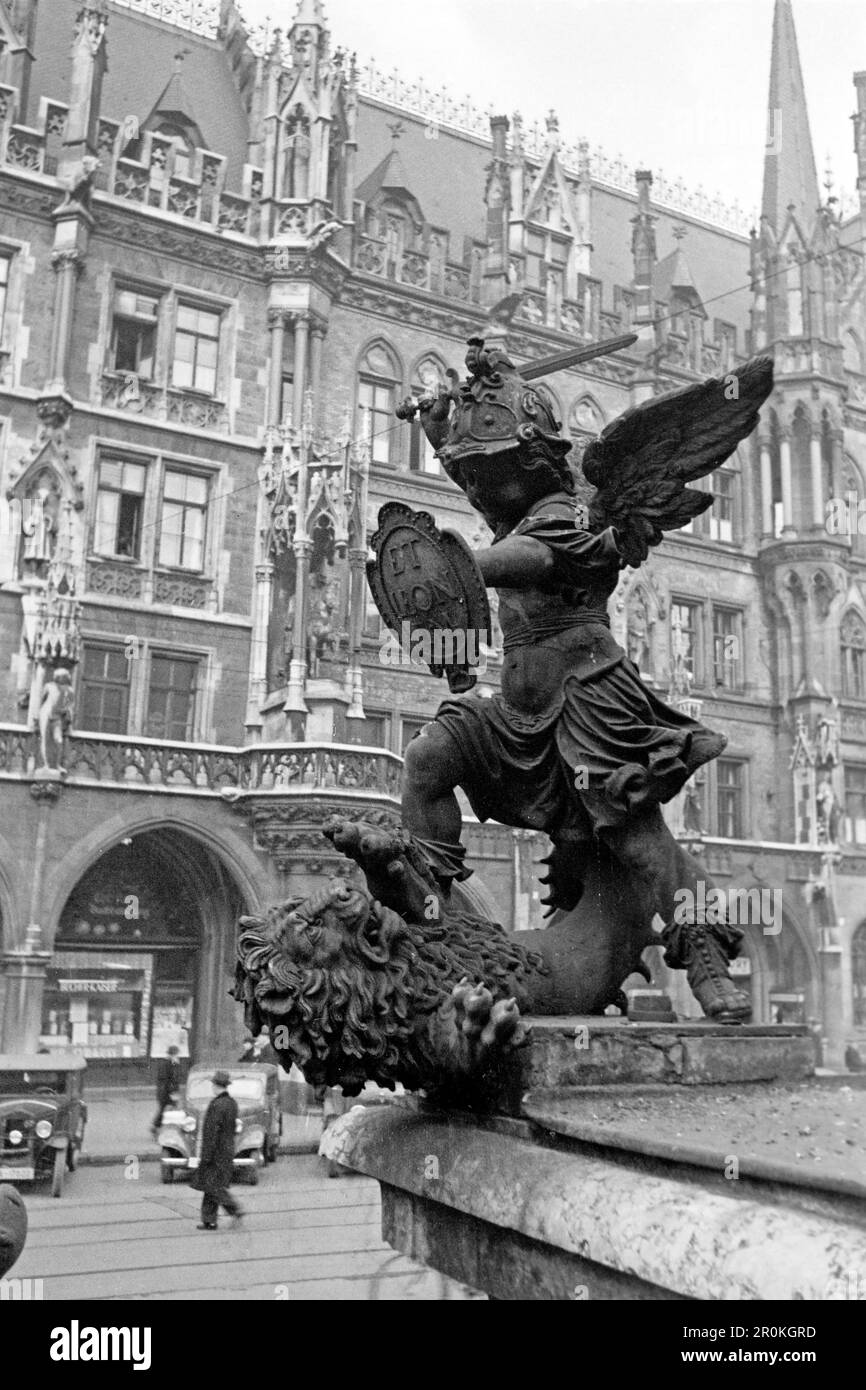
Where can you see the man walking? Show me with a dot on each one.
(167, 1085)
(214, 1174)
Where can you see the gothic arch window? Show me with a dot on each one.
(801, 445)
(427, 376)
(853, 644)
(297, 148)
(858, 975)
(852, 351)
(829, 480)
(586, 418)
(776, 474)
(794, 293)
(379, 377)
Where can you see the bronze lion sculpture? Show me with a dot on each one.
(392, 982)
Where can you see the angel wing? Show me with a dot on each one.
(641, 462)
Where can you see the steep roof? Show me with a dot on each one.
(673, 273)
(790, 176)
(389, 174)
(140, 53)
(175, 103)
(446, 174)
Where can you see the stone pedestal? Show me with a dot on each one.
(637, 1163)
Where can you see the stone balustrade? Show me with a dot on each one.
(119, 761)
(418, 269)
(134, 395)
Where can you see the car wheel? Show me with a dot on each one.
(253, 1173)
(59, 1172)
(166, 1171)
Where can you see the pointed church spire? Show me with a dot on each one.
(790, 177)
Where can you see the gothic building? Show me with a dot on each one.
(220, 270)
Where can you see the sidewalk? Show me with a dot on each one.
(118, 1126)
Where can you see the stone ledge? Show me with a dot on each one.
(574, 1051)
(524, 1221)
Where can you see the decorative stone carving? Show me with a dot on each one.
(182, 593)
(121, 581)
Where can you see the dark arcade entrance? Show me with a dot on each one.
(143, 958)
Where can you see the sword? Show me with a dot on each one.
(531, 371)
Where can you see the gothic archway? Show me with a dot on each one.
(143, 955)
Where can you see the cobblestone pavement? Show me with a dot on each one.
(117, 1233)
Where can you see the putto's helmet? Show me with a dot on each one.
(496, 410)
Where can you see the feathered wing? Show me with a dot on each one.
(641, 462)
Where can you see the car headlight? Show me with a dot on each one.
(15, 1136)
(239, 1124)
(43, 1129)
(188, 1124)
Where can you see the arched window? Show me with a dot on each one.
(794, 294)
(827, 456)
(776, 474)
(586, 418)
(853, 641)
(858, 975)
(378, 380)
(852, 351)
(428, 376)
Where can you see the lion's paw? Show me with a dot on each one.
(484, 1024)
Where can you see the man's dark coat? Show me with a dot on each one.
(167, 1079)
(217, 1145)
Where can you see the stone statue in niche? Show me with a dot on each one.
(575, 745)
(693, 808)
(55, 716)
(638, 632)
(825, 591)
(324, 617)
(828, 812)
(39, 527)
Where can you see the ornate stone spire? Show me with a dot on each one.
(790, 177)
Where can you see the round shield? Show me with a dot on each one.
(431, 594)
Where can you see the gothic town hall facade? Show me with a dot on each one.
(224, 258)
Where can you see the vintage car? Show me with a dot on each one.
(255, 1087)
(42, 1117)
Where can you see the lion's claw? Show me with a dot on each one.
(483, 1022)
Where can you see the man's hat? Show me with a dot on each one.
(221, 1078)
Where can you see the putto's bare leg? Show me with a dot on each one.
(431, 813)
(646, 849)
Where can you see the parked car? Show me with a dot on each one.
(255, 1087)
(42, 1117)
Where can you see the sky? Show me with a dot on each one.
(673, 85)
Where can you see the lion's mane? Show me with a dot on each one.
(358, 1019)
